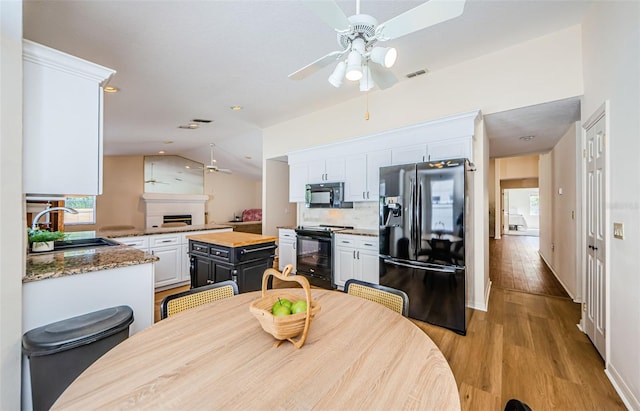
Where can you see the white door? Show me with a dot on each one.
(594, 320)
(505, 211)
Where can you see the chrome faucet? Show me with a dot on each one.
(34, 225)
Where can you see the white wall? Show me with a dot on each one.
(12, 213)
(229, 195)
(611, 38)
(277, 210)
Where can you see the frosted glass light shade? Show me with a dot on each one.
(366, 82)
(354, 66)
(385, 56)
(338, 74)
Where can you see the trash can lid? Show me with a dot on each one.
(76, 331)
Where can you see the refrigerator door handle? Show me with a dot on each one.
(419, 219)
(419, 267)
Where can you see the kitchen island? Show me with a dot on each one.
(241, 257)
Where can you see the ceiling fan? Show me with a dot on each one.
(212, 167)
(358, 35)
(152, 180)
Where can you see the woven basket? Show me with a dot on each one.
(284, 327)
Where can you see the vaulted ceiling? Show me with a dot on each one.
(182, 60)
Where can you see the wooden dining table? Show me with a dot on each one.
(358, 355)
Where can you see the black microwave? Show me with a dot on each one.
(326, 195)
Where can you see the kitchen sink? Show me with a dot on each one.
(83, 243)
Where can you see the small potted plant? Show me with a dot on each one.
(42, 240)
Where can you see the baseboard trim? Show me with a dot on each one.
(623, 390)
(482, 307)
(575, 300)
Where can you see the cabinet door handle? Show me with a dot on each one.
(166, 241)
(358, 255)
(354, 254)
(363, 195)
(294, 246)
(367, 195)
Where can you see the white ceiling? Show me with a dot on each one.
(180, 60)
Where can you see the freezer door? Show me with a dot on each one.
(436, 293)
(398, 223)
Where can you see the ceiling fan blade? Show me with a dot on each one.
(382, 76)
(420, 17)
(316, 65)
(329, 12)
(225, 170)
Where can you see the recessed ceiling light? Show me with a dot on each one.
(236, 108)
(167, 142)
(161, 152)
(190, 126)
(527, 138)
(110, 89)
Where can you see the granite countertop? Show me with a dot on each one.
(355, 231)
(362, 232)
(166, 230)
(55, 264)
(232, 239)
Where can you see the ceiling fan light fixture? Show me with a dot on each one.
(366, 82)
(338, 74)
(385, 56)
(354, 66)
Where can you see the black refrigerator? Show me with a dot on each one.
(422, 238)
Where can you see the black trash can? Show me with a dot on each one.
(60, 351)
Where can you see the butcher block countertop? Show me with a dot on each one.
(232, 239)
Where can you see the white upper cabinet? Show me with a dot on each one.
(448, 149)
(357, 161)
(362, 175)
(297, 181)
(409, 154)
(326, 170)
(62, 122)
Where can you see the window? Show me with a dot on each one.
(534, 204)
(86, 207)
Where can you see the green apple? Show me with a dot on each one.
(281, 307)
(299, 306)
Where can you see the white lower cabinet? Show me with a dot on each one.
(355, 257)
(168, 267)
(172, 250)
(286, 248)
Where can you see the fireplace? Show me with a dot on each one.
(186, 208)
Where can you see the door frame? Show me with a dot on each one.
(600, 112)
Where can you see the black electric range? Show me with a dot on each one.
(314, 253)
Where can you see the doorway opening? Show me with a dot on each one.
(522, 206)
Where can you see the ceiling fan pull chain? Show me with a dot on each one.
(366, 114)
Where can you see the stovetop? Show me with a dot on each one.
(323, 228)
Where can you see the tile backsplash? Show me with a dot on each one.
(363, 215)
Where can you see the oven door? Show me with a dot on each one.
(313, 259)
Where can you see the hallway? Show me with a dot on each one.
(515, 264)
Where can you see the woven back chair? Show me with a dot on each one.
(396, 300)
(175, 303)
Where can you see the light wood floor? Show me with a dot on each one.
(516, 265)
(526, 346)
